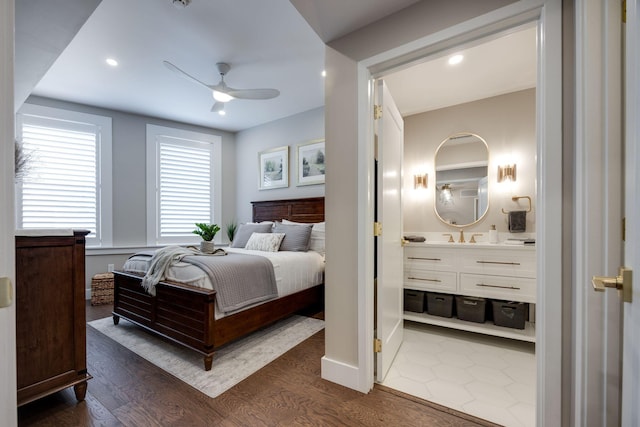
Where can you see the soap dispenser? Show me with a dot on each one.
(493, 234)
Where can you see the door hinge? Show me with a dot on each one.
(377, 112)
(624, 11)
(377, 345)
(624, 229)
(377, 229)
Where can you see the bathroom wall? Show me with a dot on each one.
(507, 123)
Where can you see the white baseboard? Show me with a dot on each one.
(341, 373)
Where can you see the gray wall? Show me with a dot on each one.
(239, 172)
(508, 125)
(289, 131)
(129, 179)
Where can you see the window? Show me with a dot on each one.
(68, 183)
(183, 183)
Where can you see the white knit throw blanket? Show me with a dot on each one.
(160, 262)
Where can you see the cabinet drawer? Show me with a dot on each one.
(439, 281)
(428, 259)
(499, 287)
(517, 263)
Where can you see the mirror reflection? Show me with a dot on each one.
(462, 186)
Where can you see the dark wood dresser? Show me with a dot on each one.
(50, 316)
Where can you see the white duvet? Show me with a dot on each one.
(294, 271)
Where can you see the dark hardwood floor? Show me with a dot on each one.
(126, 390)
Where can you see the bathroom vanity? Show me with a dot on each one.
(493, 271)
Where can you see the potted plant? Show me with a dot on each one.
(232, 227)
(207, 232)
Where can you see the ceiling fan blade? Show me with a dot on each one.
(178, 71)
(217, 107)
(252, 93)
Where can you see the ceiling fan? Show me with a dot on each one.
(223, 93)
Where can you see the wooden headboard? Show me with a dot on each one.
(298, 210)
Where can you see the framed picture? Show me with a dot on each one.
(274, 168)
(311, 162)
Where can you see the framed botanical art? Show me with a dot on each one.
(274, 168)
(310, 159)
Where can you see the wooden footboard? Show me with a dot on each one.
(182, 313)
(186, 314)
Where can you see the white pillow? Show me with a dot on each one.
(316, 243)
(266, 242)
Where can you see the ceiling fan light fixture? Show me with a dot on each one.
(221, 96)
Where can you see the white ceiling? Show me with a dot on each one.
(268, 44)
(502, 65)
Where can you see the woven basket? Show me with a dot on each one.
(102, 289)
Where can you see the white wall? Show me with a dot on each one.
(508, 125)
(290, 132)
(342, 346)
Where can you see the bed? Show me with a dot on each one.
(187, 314)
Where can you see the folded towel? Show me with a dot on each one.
(518, 221)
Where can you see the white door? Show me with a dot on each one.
(8, 414)
(631, 311)
(389, 268)
(607, 365)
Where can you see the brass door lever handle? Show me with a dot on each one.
(621, 282)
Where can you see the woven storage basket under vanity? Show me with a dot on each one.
(102, 289)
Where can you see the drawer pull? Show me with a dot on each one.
(497, 286)
(424, 280)
(424, 259)
(498, 262)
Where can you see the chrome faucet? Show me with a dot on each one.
(461, 240)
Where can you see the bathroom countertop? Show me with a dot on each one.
(483, 245)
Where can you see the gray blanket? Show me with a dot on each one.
(238, 279)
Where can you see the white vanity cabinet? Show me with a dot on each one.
(500, 272)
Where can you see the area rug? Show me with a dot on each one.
(231, 364)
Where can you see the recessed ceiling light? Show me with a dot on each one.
(112, 62)
(456, 59)
(324, 73)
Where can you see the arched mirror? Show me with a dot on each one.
(462, 187)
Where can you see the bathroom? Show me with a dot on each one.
(477, 367)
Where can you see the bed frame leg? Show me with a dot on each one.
(116, 319)
(208, 361)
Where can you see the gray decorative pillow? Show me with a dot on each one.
(246, 230)
(296, 237)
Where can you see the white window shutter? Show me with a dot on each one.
(60, 189)
(184, 187)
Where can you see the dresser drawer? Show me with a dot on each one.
(429, 259)
(431, 280)
(499, 287)
(518, 263)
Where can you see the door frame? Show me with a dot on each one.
(8, 412)
(548, 215)
(630, 361)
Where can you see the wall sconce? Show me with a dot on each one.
(507, 172)
(420, 181)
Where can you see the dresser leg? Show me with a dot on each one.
(208, 361)
(116, 319)
(80, 391)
